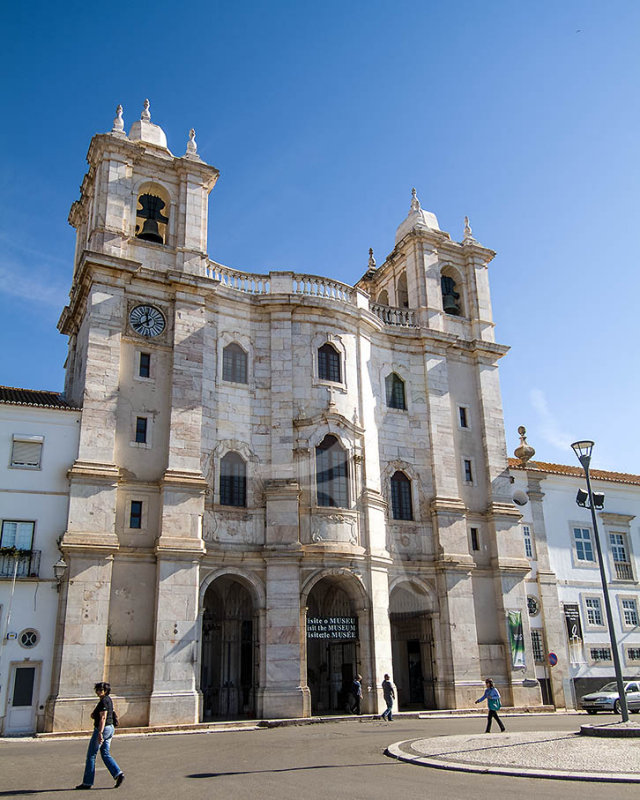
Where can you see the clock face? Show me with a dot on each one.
(147, 320)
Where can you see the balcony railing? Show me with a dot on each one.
(623, 570)
(403, 317)
(27, 562)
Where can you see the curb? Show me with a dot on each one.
(396, 751)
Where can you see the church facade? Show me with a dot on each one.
(282, 480)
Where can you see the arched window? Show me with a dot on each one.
(332, 473)
(395, 391)
(233, 481)
(402, 292)
(383, 298)
(450, 298)
(401, 506)
(152, 215)
(329, 364)
(234, 364)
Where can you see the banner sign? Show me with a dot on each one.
(332, 628)
(572, 620)
(516, 639)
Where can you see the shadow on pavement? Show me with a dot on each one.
(283, 769)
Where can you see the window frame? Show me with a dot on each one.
(329, 350)
(139, 516)
(586, 598)
(17, 522)
(628, 598)
(468, 472)
(474, 539)
(139, 365)
(464, 411)
(528, 539)
(26, 439)
(391, 382)
(401, 491)
(336, 467)
(232, 484)
(235, 364)
(581, 562)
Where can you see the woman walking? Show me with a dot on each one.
(103, 729)
(492, 696)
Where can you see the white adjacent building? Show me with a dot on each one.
(282, 480)
(38, 444)
(564, 588)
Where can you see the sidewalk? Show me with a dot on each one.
(563, 755)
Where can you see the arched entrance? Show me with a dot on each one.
(412, 646)
(229, 672)
(333, 648)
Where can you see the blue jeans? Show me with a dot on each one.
(388, 712)
(92, 752)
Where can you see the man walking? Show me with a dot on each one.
(388, 694)
(356, 690)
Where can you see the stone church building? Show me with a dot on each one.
(282, 480)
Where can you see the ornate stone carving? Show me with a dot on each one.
(334, 528)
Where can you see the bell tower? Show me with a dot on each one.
(135, 322)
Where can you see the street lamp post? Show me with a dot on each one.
(583, 452)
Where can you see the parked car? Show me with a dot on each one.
(608, 699)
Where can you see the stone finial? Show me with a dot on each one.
(146, 116)
(118, 122)
(415, 203)
(524, 452)
(192, 147)
(372, 261)
(468, 233)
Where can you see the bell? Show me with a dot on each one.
(450, 304)
(150, 232)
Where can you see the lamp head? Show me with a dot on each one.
(59, 569)
(598, 500)
(583, 451)
(581, 498)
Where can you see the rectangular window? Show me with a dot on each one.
(144, 367)
(620, 555)
(135, 515)
(462, 411)
(537, 646)
(630, 612)
(17, 534)
(600, 654)
(633, 653)
(528, 543)
(584, 548)
(141, 430)
(468, 471)
(26, 451)
(475, 544)
(594, 610)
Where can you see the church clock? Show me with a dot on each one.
(147, 320)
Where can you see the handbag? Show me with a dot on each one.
(494, 704)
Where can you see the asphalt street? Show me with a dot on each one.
(304, 762)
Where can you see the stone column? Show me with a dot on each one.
(90, 539)
(553, 620)
(380, 631)
(175, 697)
(285, 691)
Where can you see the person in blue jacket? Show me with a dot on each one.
(492, 696)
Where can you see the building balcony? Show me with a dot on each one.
(20, 563)
(624, 572)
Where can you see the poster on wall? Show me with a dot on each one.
(572, 620)
(334, 628)
(516, 639)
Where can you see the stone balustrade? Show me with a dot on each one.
(311, 285)
(403, 317)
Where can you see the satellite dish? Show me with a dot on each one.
(520, 498)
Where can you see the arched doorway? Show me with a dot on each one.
(229, 672)
(412, 646)
(332, 646)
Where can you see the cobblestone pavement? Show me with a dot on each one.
(562, 754)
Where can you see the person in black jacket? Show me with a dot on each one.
(103, 729)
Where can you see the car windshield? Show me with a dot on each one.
(609, 687)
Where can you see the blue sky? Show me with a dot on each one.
(321, 117)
